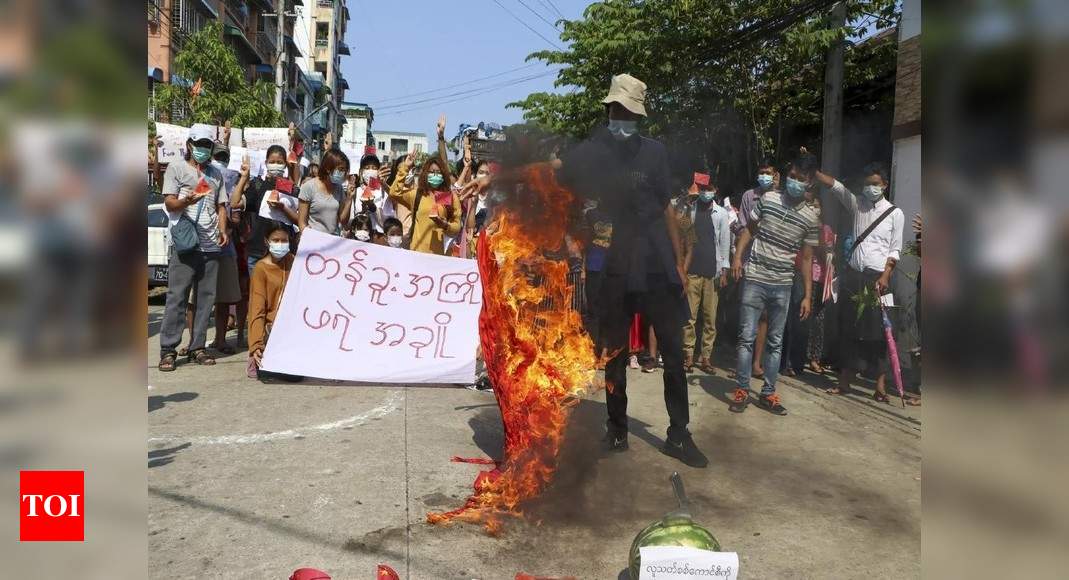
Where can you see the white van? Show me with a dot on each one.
(158, 245)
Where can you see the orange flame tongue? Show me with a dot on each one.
(537, 355)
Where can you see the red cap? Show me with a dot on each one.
(309, 574)
(370, 150)
(701, 178)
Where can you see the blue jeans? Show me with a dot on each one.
(758, 297)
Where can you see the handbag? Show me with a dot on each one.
(184, 235)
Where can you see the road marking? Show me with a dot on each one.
(391, 404)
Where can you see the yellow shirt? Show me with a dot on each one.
(265, 295)
(427, 236)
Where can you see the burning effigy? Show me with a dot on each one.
(538, 357)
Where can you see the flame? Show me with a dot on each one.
(537, 354)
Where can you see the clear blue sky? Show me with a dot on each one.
(401, 47)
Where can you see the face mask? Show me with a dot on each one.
(435, 179)
(873, 192)
(622, 129)
(219, 165)
(362, 235)
(276, 169)
(278, 249)
(764, 180)
(202, 154)
(394, 241)
(337, 177)
(795, 188)
(707, 196)
(368, 175)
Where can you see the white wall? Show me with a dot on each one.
(906, 177)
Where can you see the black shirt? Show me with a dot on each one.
(256, 246)
(703, 260)
(629, 180)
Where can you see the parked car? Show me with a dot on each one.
(158, 245)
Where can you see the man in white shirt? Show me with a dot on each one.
(875, 253)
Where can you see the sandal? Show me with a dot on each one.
(880, 397)
(913, 401)
(201, 357)
(835, 391)
(815, 367)
(167, 363)
(183, 351)
(688, 365)
(706, 367)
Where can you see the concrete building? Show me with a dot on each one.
(906, 132)
(356, 133)
(328, 20)
(252, 36)
(392, 144)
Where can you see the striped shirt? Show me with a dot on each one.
(782, 229)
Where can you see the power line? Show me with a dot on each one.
(525, 5)
(469, 91)
(555, 9)
(529, 65)
(521, 21)
(765, 28)
(456, 99)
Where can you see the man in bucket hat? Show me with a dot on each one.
(627, 175)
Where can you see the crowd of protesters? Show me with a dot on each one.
(665, 277)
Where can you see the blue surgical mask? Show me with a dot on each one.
(873, 192)
(435, 179)
(796, 188)
(278, 249)
(707, 196)
(622, 129)
(337, 177)
(201, 154)
(764, 180)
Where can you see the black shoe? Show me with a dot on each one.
(771, 404)
(685, 451)
(649, 366)
(615, 442)
(740, 399)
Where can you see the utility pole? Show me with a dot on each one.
(280, 62)
(832, 143)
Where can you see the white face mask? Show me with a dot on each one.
(368, 175)
(362, 235)
(278, 249)
(873, 192)
(394, 241)
(622, 129)
(276, 169)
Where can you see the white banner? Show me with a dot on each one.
(680, 563)
(264, 137)
(357, 311)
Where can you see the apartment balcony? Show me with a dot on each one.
(238, 13)
(265, 45)
(343, 49)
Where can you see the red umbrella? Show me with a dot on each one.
(892, 354)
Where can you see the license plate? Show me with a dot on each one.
(159, 274)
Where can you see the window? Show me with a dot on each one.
(322, 33)
(321, 68)
(382, 146)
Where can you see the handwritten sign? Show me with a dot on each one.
(679, 563)
(275, 213)
(264, 137)
(171, 142)
(362, 312)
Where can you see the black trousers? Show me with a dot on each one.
(665, 307)
(592, 313)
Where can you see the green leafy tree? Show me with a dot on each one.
(723, 75)
(225, 94)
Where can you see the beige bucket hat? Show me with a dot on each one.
(629, 92)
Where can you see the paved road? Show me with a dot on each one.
(253, 481)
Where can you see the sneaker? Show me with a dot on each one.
(634, 362)
(649, 366)
(614, 442)
(739, 401)
(771, 404)
(685, 451)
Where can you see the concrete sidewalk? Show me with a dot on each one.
(248, 480)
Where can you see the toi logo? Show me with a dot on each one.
(51, 506)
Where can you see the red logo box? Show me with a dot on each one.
(51, 506)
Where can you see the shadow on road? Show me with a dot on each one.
(161, 457)
(157, 402)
